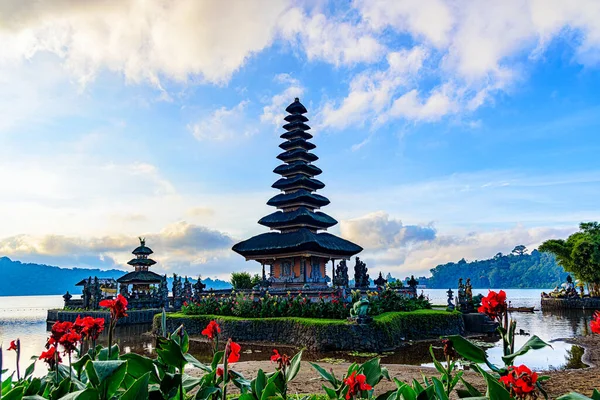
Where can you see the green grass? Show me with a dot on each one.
(390, 316)
(305, 321)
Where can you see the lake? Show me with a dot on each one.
(25, 317)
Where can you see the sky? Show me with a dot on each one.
(445, 129)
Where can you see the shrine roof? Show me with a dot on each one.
(297, 154)
(275, 243)
(295, 118)
(298, 167)
(102, 281)
(301, 196)
(296, 107)
(140, 277)
(297, 143)
(300, 216)
(295, 134)
(298, 181)
(142, 261)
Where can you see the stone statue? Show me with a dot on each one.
(469, 291)
(412, 282)
(361, 277)
(87, 293)
(341, 274)
(380, 282)
(163, 292)
(177, 292)
(451, 306)
(67, 298)
(461, 292)
(198, 289)
(123, 290)
(360, 311)
(96, 293)
(187, 290)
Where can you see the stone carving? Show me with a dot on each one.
(163, 292)
(67, 298)
(360, 311)
(341, 274)
(187, 290)
(198, 288)
(177, 292)
(451, 306)
(123, 290)
(461, 294)
(87, 293)
(361, 277)
(96, 293)
(380, 282)
(469, 291)
(412, 282)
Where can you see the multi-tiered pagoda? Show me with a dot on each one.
(141, 278)
(296, 252)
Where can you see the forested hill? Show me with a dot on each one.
(25, 279)
(536, 270)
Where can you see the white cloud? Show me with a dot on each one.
(329, 39)
(275, 111)
(223, 124)
(143, 40)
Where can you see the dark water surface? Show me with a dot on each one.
(25, 317)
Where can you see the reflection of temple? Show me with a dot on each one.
(296, 252)
(141, 278)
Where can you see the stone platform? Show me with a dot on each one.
(570, 303)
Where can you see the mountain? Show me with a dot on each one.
(536, 271)
(28, 279)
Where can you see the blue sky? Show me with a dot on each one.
(444, 129)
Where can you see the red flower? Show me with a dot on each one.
(282, 359)
(449, 348)
(232, 351)
(355, 384)
(494, 304)
(118, 307)
(520, 381)
(595, 323)
(220, 372)
(59, 329)
(51, 357)
(212, 330)
(69, 341)
(13, 345)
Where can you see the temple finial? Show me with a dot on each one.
(297, 100)
(142, 241)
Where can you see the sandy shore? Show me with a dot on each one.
(582, 380)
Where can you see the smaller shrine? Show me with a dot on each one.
(141, 278)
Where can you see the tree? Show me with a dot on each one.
(519, 250)
(579, 253)
(241, 280)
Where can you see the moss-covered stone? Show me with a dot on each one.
(387, 331)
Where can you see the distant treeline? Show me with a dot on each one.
(27, 279)
(518, 270)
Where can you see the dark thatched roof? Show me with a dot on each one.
(140, 277)
(298, 197)
(301, 216)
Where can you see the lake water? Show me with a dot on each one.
(25, 317)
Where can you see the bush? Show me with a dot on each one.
(241, 280)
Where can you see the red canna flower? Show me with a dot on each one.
(59, 329)
(494, 304)
(13, 345)
(595, 323)
(519, 381)
(282, 359)
(69, 341)
(118, 307)
(232, 351)
(449, 348)
(356, 383)
(212, 330)
(220, 372)
(51, 356)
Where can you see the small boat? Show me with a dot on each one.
(521, 309)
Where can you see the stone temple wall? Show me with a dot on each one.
(571, 303)
(382, 335)
(133, 316)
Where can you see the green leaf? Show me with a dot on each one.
(79, 364)
(372, 370)
(270, 392)
(139, 389)
(195, 363)
(596, 395)
(437, 364)
(34, 387)
(496, 390)
(534, 343)
(138, 366)
(114, 353)
(108, 375)
(294, 367)
(170, 353)
(208, 392)
(259, 383)
(471, 389)
(217, 359)
(189, 382)
(325, 375)
(87, 394)
(389, 395)
(33, 397)
(330, 392)
(62, 389)
(440, 391)
(14, 394)
(170, 384)
(30, 369)
(468, 350)
(573, 396)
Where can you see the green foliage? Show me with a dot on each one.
(241, 280)
(273, 306)
(535, 270)
(579, 253)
